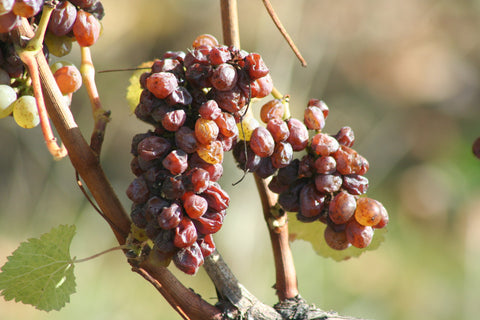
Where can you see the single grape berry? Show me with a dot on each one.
(273, 109)
(336, 240)
(68, 79)
(262, 142)
(62, 18)
(314, 118)
(359, 236)
(161, 84)
(368, 212)
(86, 29)
(342, 207)
(298, 137)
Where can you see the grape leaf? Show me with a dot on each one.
(40, 271)
(313, 233)
(134, 90)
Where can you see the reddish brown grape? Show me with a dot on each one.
(197, 179)
(185, 233)
(138, 191)
(219, 55)
(216, 197)
(324, 145)
(86, 29)
(355, 184)
(336, 240)
(282, 155)
(279, 129)
(27, 8)
(384, 221)
(319, 104)
(206, 244)
(273, 109)
(262, 142)
(172, 188)
(188, 259)
(8, 22)
(205, 40)
(311, 201)
(195, 206)
(328, 183)
(261, 87)
(161, 84)
(306, 167)
(224, 77)
(255, 66)
(359, 236)
(342, 207)
(170, 216)
(209, 110)
(231, 101)
(153, 147)
(298, 137)
(210, 222)
(345, 136)
(185, 139)
(179, 96)
(174, 120)
(368, 212)
(314, 118)
(68, 79)
(211, 153)
(62, 18)
(153, 207)
(325, 165)
(164, 242)
(176, 162)
(227, 125)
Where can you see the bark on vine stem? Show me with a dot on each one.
(86, 163)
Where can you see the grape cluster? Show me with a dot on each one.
(327, 182)
(194, 100)
(74, 20)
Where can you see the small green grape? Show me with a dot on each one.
(25, 112)
(7, 97)
(59, 46)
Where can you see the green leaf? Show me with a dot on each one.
(40, 271)
(313, 233)
(134, 90)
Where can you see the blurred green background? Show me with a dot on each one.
(405, 75)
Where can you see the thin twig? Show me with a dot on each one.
(283, 31)
(100, 116)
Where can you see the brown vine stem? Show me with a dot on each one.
(100, 116)
(283, 31)
(231, 33)
(286, 276)
(86, 162)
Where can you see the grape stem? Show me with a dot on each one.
(229, 12)
(100, 116)
(286, 276)
(28, 58)
(283, 31)
(36, 43)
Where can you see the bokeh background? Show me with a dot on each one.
(405, 75)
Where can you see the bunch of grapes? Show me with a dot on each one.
(194, 100)
(327, 182)
(75, 20)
